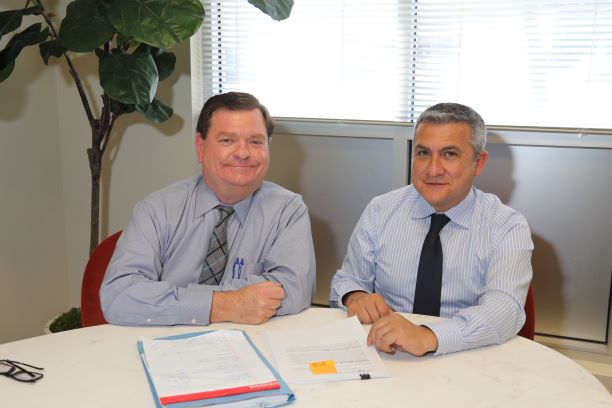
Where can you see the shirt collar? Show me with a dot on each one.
(459, 214)
(462, 212)
(206, 200)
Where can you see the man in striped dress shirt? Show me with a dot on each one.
(486, 247)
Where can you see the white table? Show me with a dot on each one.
(100, 367)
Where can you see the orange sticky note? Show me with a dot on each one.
(323, 367)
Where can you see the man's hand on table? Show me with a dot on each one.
(368, 307)
(252, 304)
(395, 332)
(390, 331)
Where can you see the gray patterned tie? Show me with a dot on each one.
(216, 258)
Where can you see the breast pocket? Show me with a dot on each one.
(242, 268)
(253, 268)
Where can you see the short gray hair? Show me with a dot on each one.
(447, 112)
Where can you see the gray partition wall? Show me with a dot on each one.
(337, 176)
(560, 182)
(566, 195)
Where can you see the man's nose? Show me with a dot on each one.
(242, 151)
(434, 166)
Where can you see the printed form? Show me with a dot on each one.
(332, 352)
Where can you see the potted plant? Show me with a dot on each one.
(130, 39)
(66, 321)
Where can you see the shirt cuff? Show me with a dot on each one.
(448, 335)
(340, 291)
(196, 302)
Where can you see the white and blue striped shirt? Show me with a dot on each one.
(486, 271)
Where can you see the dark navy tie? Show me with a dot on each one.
(429, 278)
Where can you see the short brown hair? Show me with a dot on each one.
(234, 101)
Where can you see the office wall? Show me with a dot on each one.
(337, 177)
(45, 179)
(565, 195)
(32, 246)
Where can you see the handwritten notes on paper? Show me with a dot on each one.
(332, 352)
(211, 365)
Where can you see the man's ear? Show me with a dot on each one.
(199, 145)
(481, 162)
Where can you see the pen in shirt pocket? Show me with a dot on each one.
(237, 268)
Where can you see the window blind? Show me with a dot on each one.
(519, 63)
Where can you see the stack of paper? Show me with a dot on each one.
(211, 368)
(332, 352)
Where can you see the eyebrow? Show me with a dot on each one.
(225, 134)
(444, 148)
(233, 134)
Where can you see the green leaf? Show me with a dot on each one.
(164, 60)
(277, 9)
(6, 71)
(85, 26)
(160, 23)
(156, 111)
(119, 108)
(51, 48)
(165, 63)
(100, 53)
(30, 36)
(123, 41)
(11, 20)
(129, 78)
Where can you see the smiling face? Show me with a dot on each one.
(443, 163)
(235, 154)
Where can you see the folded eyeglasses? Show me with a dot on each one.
(18, 372)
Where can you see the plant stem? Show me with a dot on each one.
(71, 68)
(108, 133)
(95, 164)
(100, 133)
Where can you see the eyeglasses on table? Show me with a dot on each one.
(18, 372)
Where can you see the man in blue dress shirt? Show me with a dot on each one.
(157, 275)
(486, 247)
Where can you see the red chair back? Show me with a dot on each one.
(91, 310)
(528, 330)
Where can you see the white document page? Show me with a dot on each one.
(213, 361)
(332, 352)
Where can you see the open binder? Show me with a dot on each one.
(219, 367)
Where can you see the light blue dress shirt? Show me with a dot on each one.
(487, 250)
(153, 276)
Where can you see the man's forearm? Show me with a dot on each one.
(252, 304)
(221, 309)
